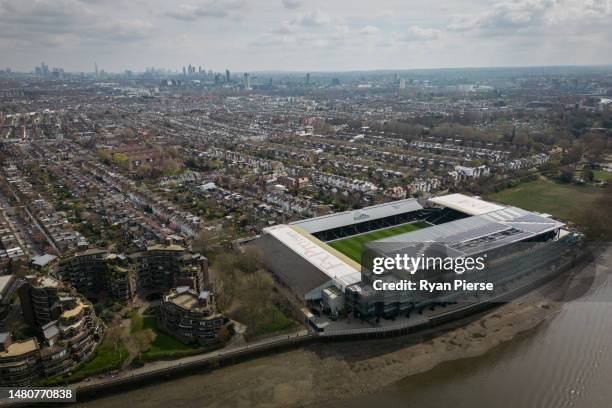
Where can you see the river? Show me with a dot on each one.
(566, 362)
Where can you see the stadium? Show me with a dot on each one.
(320, 259)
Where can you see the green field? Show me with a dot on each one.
(164, 344)
(546, 196)
(601, 175)
(353, 246)
(108, 356)
(272, 321)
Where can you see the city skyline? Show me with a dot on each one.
(293, 35)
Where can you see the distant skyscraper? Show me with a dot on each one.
(184, 71)
(227, 75)
(308, 78)
(402, 83)
(247, 81)
(44, 68)
(96, 67)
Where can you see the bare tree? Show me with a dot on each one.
(144, 339)
(202, 242)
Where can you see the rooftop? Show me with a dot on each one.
(185, 300)
(331, 221)
(5, 282)
(165, 248)
(478, 233)
(188, 299)
(466, 204)
(341, 269)
(75, 310)
(20, 347)
(43, 260)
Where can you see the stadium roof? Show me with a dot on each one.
(331, 221)
(316, 253)
(466, 204)
(308, 265)
(479, 233)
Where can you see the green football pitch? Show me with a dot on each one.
(353, 246)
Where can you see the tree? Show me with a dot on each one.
(203, 241)
(595, 146)
(113, 334)
(144, 339)
(249, 259)
(596, 219)
(128, 133)
(566, 176)
(224, 280)
(587, 174)
(224, 334)
(104, 155)
(256, 301)
(170, 167)
(573, 155)
(121, 160)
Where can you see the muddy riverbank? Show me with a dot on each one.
(326, 373)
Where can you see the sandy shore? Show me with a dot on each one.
(323, 373)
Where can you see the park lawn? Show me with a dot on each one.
(543, 195)
(602, 175)
(353, 246)
(105, 358)
(272, 321)
(163, 342)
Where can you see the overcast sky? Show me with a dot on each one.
(303, 35)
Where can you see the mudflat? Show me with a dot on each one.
(327, 372)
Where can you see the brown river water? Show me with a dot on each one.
(566, 362)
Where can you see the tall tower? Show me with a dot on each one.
(227, 75)
(96, 69)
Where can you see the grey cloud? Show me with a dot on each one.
(332, 34)
(313, 18)
(507, 15)
(369, 30)
(47, 23)
(120, 31)
(211, 9)
(598, 6)
(57, 16)
(284, 29)
(292, 4)
(416, 33)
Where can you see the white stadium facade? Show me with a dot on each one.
(300, 258)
